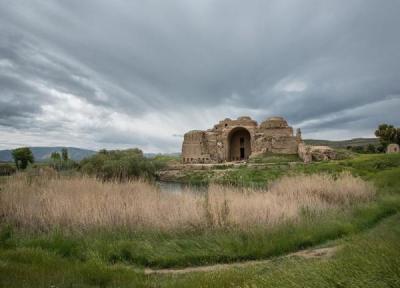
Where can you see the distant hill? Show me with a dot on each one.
(344, 143)
(152, 155)
(44, 153)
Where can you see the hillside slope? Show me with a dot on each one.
(44, 153)
(344, 143)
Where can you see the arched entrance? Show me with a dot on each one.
(239, 144)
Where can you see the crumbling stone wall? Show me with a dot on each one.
(225, 140)
(393, 148)
(195, 147)
(305, 153)
(309, 153)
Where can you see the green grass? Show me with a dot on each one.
(275, 158)
(199, 177)
(31, 267)
(245, 176)
(371, 259)
(368, 166)
(165, 250)
(239, 176)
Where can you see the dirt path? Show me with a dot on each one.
(309, 253)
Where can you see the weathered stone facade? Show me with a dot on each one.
(235, 140)
(309, 153)
(393, 148)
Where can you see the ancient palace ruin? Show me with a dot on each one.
(236, 140)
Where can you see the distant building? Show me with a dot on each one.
(236, 140)
(393, 148)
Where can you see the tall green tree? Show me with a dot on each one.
(64, 154)
(22, 157)
(55, 156)
(388, 134)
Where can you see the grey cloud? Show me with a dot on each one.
(33, 63)
(140, 58)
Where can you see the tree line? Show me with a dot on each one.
(106, 164)
(131, 163)
(386, 133)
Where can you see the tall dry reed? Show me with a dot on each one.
(81, 203)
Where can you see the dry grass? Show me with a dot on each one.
(81, 203)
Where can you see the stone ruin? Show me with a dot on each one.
(309, 153)
(237, 140)
(393, 148)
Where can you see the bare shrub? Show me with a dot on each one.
(81, 203)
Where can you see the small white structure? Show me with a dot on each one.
(393, 148)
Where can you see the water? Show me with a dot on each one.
(176, 187)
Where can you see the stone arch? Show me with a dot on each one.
(239, 144)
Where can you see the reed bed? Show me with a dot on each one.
(82, 203)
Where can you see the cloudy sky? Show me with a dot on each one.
(118, 74)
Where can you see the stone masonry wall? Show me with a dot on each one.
(225, 140)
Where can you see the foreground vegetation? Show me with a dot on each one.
(66, 253)
(83, 204)
(369, 259)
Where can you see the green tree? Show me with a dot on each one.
(55, 160)
(55, 156)
(380, 149)
(60, 161)
(388, 134)
(121, 165)
(371, 148)
(22, 157)
(64, 154)
(358, 149)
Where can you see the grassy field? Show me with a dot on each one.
(369, 259)
(365, 165)
(244, 175)
(34, 254)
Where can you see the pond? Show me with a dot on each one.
(177, 187)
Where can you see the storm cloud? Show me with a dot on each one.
(118, 74)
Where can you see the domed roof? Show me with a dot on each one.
(243, 118)
(276, 118)
(274, 122)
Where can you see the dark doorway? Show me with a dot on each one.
(239, 144)
(241, 153)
